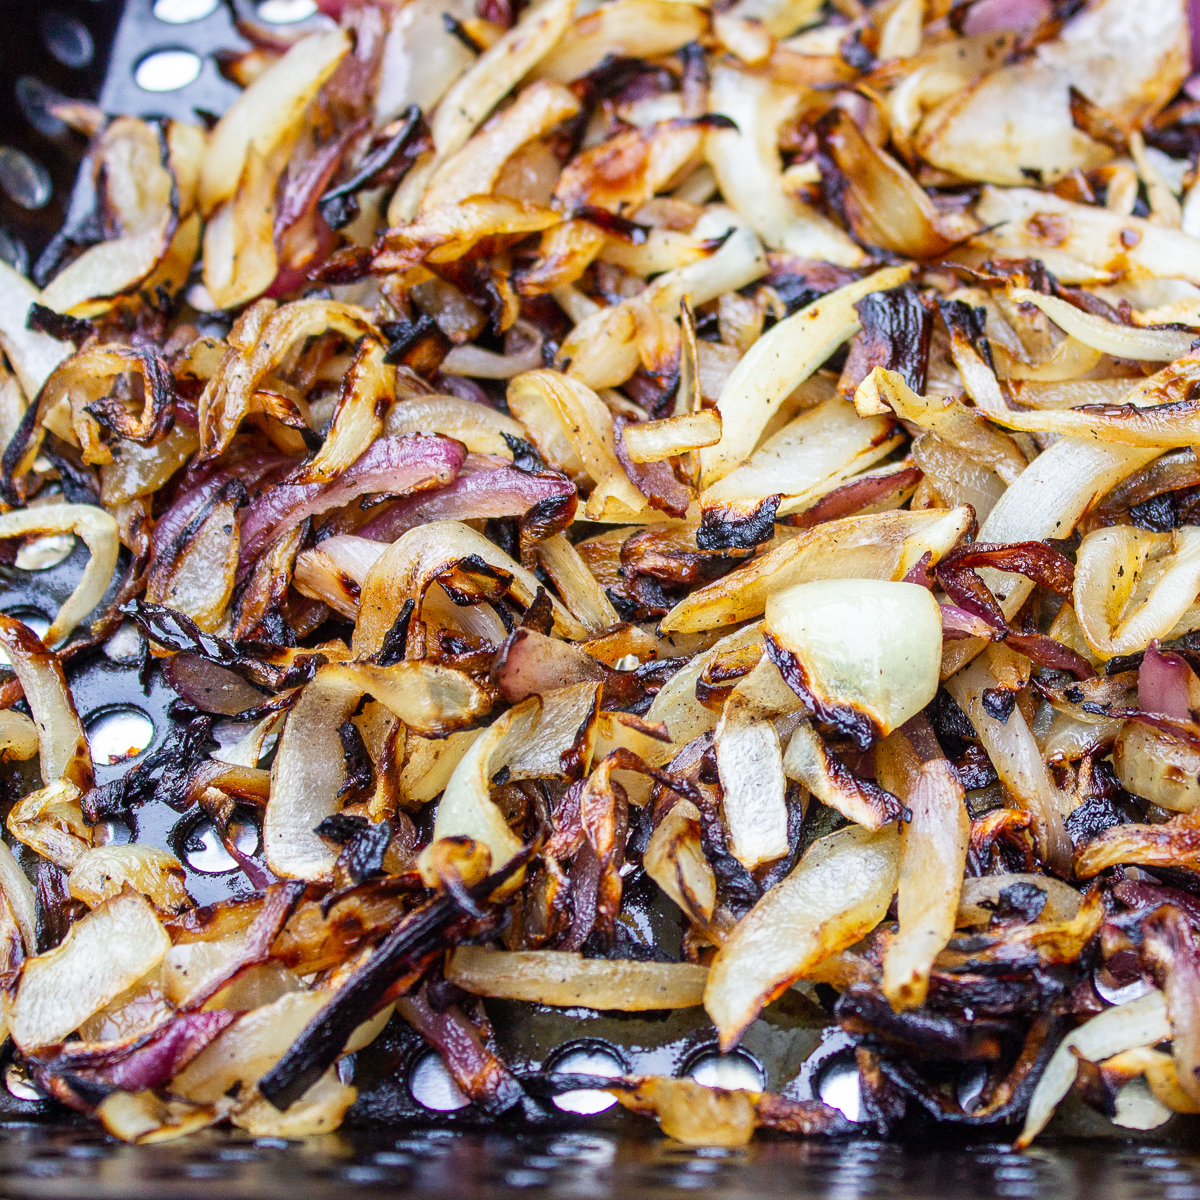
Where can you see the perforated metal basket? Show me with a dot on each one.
(405, 1133)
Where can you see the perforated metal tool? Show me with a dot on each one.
(153, 57)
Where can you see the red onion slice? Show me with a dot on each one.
(396, 466)
(495, 492)
(1163, 680)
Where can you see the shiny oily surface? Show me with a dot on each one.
(36, 1162)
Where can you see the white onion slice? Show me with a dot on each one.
(103, 954)
(1141, 1022)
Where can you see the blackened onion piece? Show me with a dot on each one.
(1047, 652)
(492, 492)
(477, 1071)
(174, 631)
(58, 325)
(1007, 1097)
(158, 411)
(393, 466)
(412, 944)
(864, 1011)
(896, 330)
(738, 525)
(387, 162)
(163, 772)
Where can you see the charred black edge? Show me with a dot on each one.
(417, 935)
(395, 641)
(900, 320)
(395, 157)
(727, 528)
(970, 323)
(59, 326)
(175, 631)
(612, 223)
(548, 516)
(858, 727)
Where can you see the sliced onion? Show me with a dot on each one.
(576, 584)
(947, 417)
(753, 787)
(863, 650)
(431, 700)
(570, 980)
(407, 568)
(933, 854)
(809, 761)
(1046, 501)
(18, 892)
(103, 954)
(839, 892)
(389, 465)
(868, 546)
(1141, 1022)
(572, 428)
(1121, 341)
(1160, 764)
(477, 426)
(820, 449)
(306, 777)
(63, 745)
(474, 169)
(530, 740)
(18, 736)
(268, 115)
(639, 28)
(367, 388)
(1014, 753)
(493, 491)
(249, 1048)
(674, 858)
(779, 362)
(34, 356)
(1018, 118)
(1082, 243)
(320, 1110)
(1109, 564)
(97, 529)
(104, 872)
(653, 441)
(746, 163)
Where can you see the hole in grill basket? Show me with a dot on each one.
(25, 181)
(737, 1069)
(167, 70)
(432, 1087)
(203, 850)
(35, 99)
(117, 734)
(31, 619)
(18, 1083)
(182, 12)
(286, 12)
(13, 252)
(587, 1058)
(45, 552)
(838, 1086)
(67, 38)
